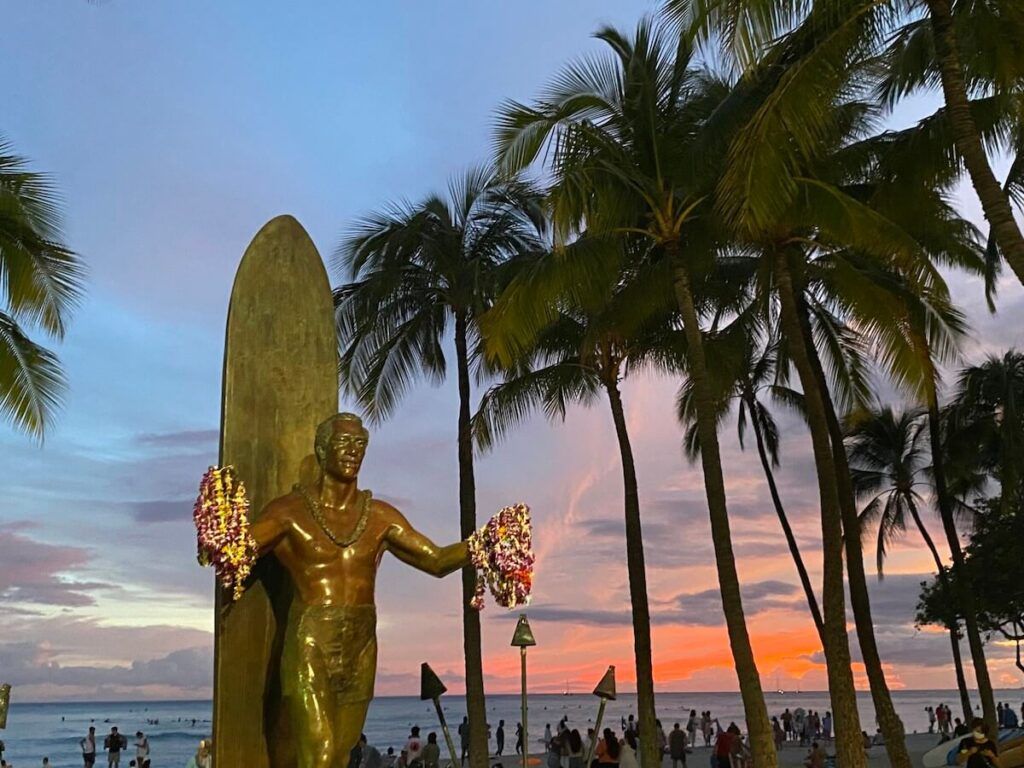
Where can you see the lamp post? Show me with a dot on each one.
(522, 639)
(605, 691)
(431, 688)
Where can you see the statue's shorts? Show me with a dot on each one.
(331, 649)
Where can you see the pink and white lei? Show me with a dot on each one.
(502, 553)
(221, 516)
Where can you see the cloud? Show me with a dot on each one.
(35, 572)
(27, 664)
(694, 609)
(161, 511)
(204, 439)
(670, 544)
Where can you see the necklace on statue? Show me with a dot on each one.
(315, 510)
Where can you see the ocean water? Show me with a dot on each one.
(54, 729)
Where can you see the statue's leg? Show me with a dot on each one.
(348, 725)
(313, 731)
(305, 684)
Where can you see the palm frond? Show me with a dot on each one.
(32, 384)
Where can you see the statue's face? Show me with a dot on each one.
(345, 450)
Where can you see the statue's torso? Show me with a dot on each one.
(323, 572)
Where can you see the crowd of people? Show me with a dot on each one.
(568, 747)
(801, 726)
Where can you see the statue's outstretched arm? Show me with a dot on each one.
(412, 547)
(269, 529)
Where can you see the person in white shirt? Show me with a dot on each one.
(88, 745)
(141, 750)
(414, 748)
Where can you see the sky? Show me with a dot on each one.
(174, 131)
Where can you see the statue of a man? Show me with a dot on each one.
(330, 537)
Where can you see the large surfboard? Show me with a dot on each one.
(280, 381)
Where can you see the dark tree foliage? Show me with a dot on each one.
(991, 572)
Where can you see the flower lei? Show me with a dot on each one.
(502, 553)
(221, 515)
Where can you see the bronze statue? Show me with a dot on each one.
(330, 537)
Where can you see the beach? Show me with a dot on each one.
(791, 756)
(53, 729)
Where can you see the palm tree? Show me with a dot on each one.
(835, 46)
(989, 402)
(848, 31)
(580, 356)
(419, 273)
(622, 156)
(889, 461)
(41, 281)
(757, 372)
(827, 262)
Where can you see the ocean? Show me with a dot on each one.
(54, 729)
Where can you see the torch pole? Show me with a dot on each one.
(447, 733)
(597, 732)
(526, 740)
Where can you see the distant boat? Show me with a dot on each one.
(565, 691)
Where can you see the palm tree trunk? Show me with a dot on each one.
(860, 601)
(958, 662)
(961, 678)
(475, 705)
(649, 752)
(849, 744)
(945, 503)
(994, 201)
(963, 597)
(787, 530)
(762, 743)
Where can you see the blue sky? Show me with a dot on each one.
(174, 131)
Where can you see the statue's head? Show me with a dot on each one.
(340, 445)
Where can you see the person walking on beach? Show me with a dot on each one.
(370, 757)
(431, 752)
(931, 718)
(777, 733)
(519, 738)
(88, 745)
(575, 749)
(499, 735)
(414, 749)
(141, 750)
(723, 749)
(547, 734)
(826, 727)
(662, 739)
(787, 724)
(940, 716)
(627, 751)
(114, 743)
(1010, 716)
(691, 727)
(677, 741)
(707, 726)
(463, 739)
(608, 749)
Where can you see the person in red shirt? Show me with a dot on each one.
(723, 748)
